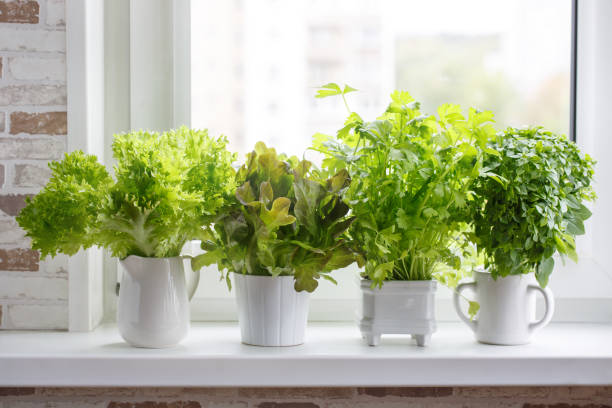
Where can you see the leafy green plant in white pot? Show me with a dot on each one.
(165, 187)
(284, 231)
(412, 175)
(532, 210)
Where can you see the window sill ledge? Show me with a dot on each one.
(333, 355)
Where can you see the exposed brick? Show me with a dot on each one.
(31, 175)
(488, 392)
(19, 11)
(13, 391)
(36, 317)
(19, 259)
(50, 123)
(2, 115)
(287, 405)
(294, 393)
(1, 175)
(563, 405)
(56, 13)
(32, 40)
(232, 404)
(31, 148)
(41, 95)
(413, 392)
(12, 204)
(153, 404)
(33, 68)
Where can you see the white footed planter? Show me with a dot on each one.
(153, 308)
(399, 307)
(507, 314)
(270, 311)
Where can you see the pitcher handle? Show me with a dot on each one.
(472, 323)
(549, 301)
(192, 284)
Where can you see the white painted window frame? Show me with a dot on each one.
(148, 86)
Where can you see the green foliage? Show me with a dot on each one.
(167, 186)
(285, 220)
(412, 179)
(536, 205)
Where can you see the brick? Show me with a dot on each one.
(31, 148)
(56, 13)
(39, 95)
(153, 404)
(12, 204)
(287, 405)
(563, 405)
(11, 233)
(510, 392)
(82, 393)
(19, 11)
(2, 116)
(296, 393)
(239, 404)
(50, 123)
(31, 175)
(13, 391)
(33, 287)
(37, 317)
(34, 69)
(12, 39)
(18, 259)
(1, 177)
(413, 392)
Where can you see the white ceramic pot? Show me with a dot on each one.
(399, 307)
(507, 314)
(153, 308)
(270, 311)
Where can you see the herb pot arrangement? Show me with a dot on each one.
(284, 231)
(412, 176)
(165, 187)
(532, 209)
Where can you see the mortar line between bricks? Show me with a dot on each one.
(32, 27)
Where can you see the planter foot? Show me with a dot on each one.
(373, 339)
(422, 339)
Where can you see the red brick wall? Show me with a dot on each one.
(33, 294)
(439, 397)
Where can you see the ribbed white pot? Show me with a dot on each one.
(399, 307)
(153, 306)
(270, 311)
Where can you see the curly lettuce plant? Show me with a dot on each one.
(413, 175)
(165, 187)
(285, 221)
(536, 206)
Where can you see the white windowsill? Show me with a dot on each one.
(333, 355)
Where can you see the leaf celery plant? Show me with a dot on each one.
(413, 178)
(165, 187)
(285, 220)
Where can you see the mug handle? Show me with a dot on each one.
(549, 300)
(472, 323)
(193, 283)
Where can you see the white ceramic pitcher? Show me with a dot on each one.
(507, 314)
(153, 308)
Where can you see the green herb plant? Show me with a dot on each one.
(535, 207)
(413, 175)
(166, 186)
(285, 221)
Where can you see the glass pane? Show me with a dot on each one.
(256, 65)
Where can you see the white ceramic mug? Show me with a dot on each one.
(153, 307)
(507, 314)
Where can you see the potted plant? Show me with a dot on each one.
(532, 210)
(284, 230)
(165, 187)
(412, 177)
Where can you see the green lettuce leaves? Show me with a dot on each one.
(167, 189)
(285, 221)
